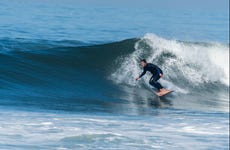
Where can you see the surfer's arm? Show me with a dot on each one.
(158, 71)
(143, 73)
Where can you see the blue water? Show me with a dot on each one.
(68, 21)
(67, 75)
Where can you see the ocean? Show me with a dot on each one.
(67, 77)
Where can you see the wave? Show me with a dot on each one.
(185, 64)
(76, 73)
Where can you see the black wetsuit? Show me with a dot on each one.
(155, 71)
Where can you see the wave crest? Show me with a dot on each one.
(185, 64)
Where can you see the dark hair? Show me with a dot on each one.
(144, 60)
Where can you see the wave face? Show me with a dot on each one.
(77, 76)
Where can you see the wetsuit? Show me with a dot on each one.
(155, 71)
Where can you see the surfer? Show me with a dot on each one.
(156, 72)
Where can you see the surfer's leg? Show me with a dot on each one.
(153, 82)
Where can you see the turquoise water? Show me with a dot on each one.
(67, 77)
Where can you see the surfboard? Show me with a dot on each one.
(164, 93)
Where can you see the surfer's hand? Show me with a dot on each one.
(137, 78)
(161, 75)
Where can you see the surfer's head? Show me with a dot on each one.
(143, 62)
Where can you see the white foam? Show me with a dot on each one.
(46, 123)
(112, 131)
(197, 63)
